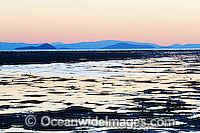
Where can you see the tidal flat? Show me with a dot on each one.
(164, 87)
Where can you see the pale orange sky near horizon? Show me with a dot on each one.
(163, 22)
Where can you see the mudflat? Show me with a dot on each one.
(164, 87)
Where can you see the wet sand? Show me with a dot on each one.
(166, 87)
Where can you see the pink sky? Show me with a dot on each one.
(163, 22)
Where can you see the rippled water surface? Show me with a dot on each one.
(160, 87)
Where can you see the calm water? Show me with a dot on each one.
(165, 87)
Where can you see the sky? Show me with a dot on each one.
(162, 22)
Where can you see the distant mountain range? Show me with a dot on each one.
(43, 46)
(98, 44)
(128, 46)
(106, 44)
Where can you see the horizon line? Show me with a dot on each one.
(93, 41)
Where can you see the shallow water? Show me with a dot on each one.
(92, 68)
(162, 86)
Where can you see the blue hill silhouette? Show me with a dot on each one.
(97, 44)
(92, 45)
(11, 46)
(128, 46)
(185, 46)
(43, 46)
